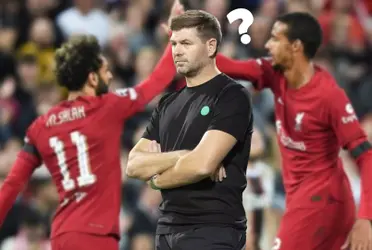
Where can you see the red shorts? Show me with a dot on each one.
(316, 228)
(84, 241)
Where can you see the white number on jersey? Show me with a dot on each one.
(277, 244)
(85, 178)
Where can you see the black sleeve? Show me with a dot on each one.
(31, 149)
(152, 129)
(29, 141)
(233, 112)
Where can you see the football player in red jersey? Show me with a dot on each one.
(314, 119)
(78, 140)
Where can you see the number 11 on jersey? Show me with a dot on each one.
(85, 178)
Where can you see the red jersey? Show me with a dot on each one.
(312, 122)
(79, 143)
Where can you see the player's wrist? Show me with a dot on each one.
(365, 209)
(153, 183)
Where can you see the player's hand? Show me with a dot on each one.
(154, 147)
(177, 9)
(219, 174)
(360, 237)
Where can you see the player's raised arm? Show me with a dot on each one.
(259, 71)
(135, 99)
(232, 120)
(352, 137)
(27, 160)
(131, 100)
(159, 80)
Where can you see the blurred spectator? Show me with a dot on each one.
(25, 92)
(299, 6)
(270, 8)
(218, 8)
(142, 231)
(47, 97)
(118, 50)
(41, 46)
(259, 32)
(258, 195)
(44, 199)
(145, 62)
(31, 235)
(8, 24)
(341, 26)
(84, 18)
(9, 153)
(40, 7)
(9, 108)
(135, 20)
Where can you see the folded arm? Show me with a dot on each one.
(143, 164)
(231, 122)
(198, 164)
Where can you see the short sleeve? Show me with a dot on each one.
(342, 118)
(233, 112)
(152, 130)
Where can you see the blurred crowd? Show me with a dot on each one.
(131, 36)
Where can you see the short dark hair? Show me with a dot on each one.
(304, 27)
(77, 58)
(205, 23)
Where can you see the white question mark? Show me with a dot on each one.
(247, 20)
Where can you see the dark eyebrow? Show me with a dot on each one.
(182, 41)
(185, 40)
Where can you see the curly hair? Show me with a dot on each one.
(75, 59)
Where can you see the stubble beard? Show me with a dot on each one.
(190, 72)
